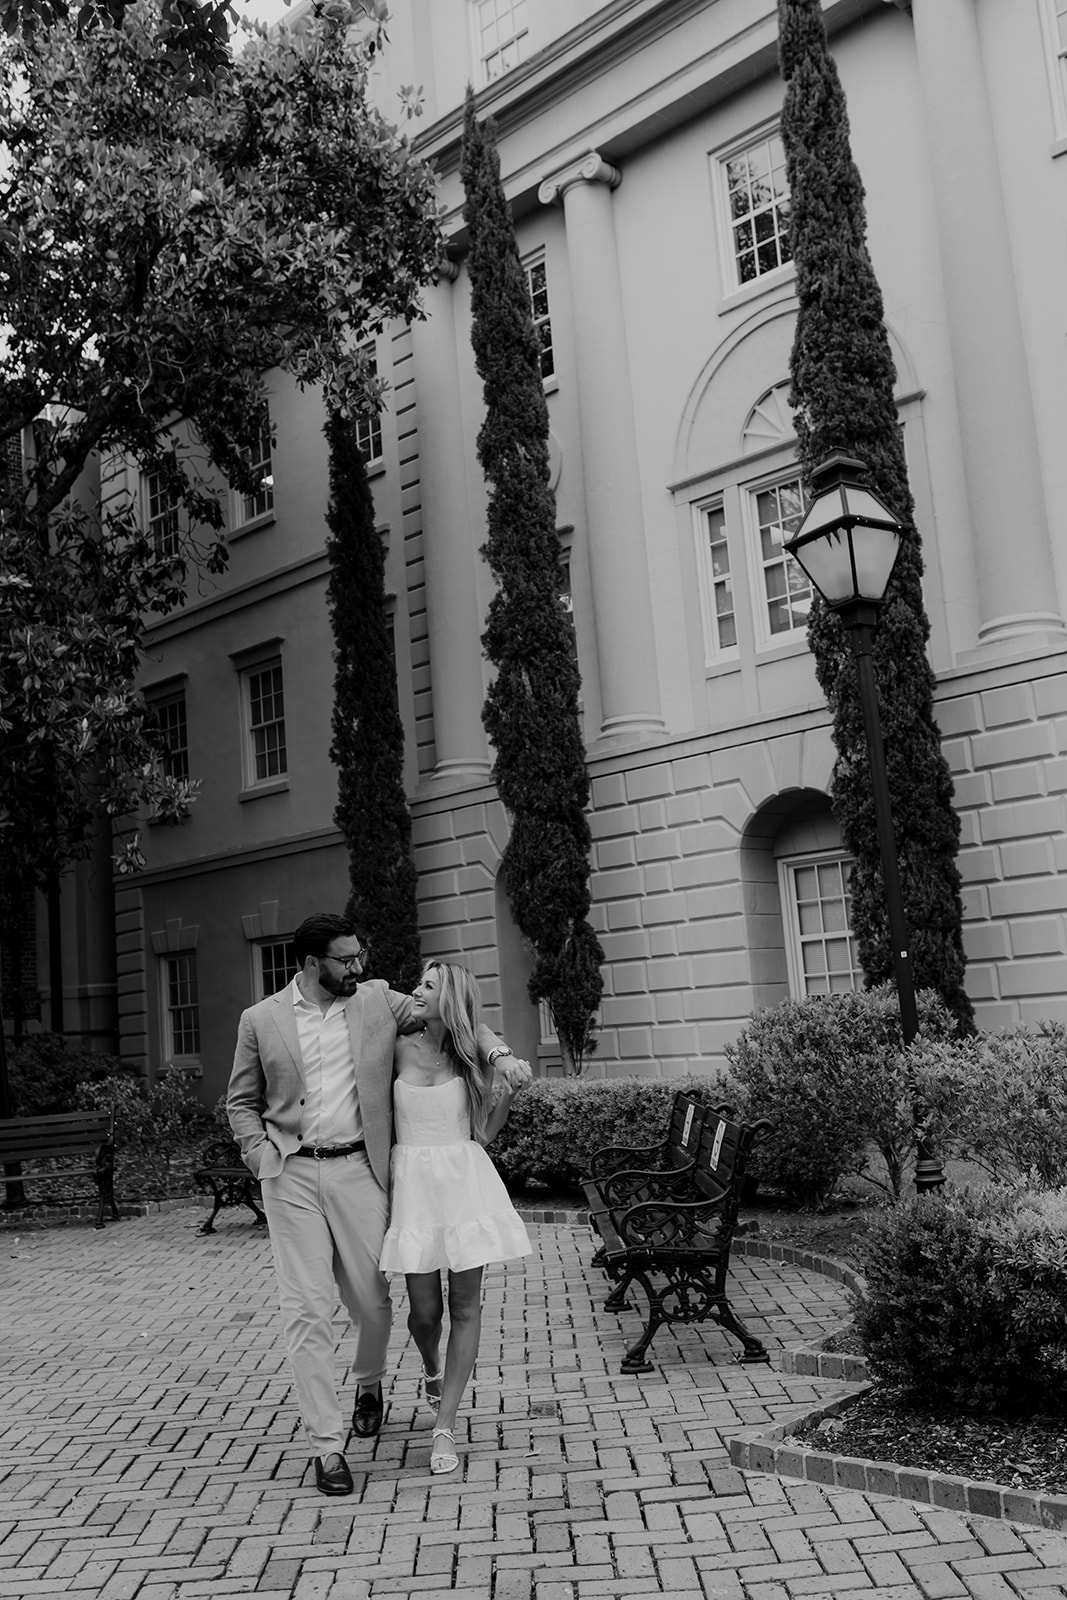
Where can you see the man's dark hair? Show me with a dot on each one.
(315, 935)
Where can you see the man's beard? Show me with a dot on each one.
(341, 987)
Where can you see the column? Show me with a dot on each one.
(1008, 520)
(618, 558)
(450, 552)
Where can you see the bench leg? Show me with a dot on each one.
(105, 1185)
(209, 1225)
(636, 1358)
(616, 1300)
(727, 1318)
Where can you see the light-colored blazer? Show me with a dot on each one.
(265, 1099)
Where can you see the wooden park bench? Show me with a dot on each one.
(678, 1248)
(75, 1144)
(224, 1175)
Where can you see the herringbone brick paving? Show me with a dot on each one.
(149, 1447)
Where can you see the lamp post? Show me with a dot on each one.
(847, 546)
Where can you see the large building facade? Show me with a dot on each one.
(640, 151)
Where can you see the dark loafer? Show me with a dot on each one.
(335, 1480)
(367, 1414)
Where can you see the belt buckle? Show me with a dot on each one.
(319, 1152)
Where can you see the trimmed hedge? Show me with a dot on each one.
(556, 1124)
(828, 1072)
(999, 1100)
(966, 1297)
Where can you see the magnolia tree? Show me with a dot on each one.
(159, 251)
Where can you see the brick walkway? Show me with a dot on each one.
(149, 1447)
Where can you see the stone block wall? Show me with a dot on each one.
(684, 892)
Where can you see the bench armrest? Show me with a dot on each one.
(616, 1157)
(630, 1185)
(670, 1224)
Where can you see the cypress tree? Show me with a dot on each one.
(842, 392)
(368, 736)
(531, 711)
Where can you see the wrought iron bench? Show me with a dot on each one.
(678, 1249)
(224, 1175)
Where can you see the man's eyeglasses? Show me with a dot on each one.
(348, 962)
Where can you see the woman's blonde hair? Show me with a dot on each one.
(461, 1005)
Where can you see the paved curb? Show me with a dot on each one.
(762, 1449)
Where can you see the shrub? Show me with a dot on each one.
(556, 1124)
(827, 1072)
(153, 1127)
(966, 1296)
(45, 1071)
(999, 1099)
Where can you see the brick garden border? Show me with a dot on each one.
(761, 1448)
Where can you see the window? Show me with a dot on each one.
(259, 459)
(720, 620)
(1054, 21)
(755, 197)
(502, 36)
(161, 515)
(181, 1006)
(537, 283)
(369, 426)
(785, 593)
(265, 722)
(167, 713)
(275, 966)
(821, 951)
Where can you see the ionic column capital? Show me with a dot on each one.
(590, 168)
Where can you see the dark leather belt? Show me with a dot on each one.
(325, 1152)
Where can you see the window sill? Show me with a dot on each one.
(794, 646)
(550, 384)
(722, 666)
(1059, 148)
(752, 291)
(259, 790)
(252, 526)
(375, 468)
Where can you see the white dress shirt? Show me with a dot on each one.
(331, 1105)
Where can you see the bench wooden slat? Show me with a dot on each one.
(63, 1137)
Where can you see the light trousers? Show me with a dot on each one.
(327, 1221)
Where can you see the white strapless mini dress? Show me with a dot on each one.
(449, 1204)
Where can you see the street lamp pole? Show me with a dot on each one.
(847, 546)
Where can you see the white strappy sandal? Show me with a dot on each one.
(443, 1459)
(433, 1400)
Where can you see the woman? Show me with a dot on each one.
(450, 1209)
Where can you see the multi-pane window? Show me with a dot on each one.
(171, 733)
(502, 35)
(537, 283)
(722, 619)
(817, 906)
(1054, 17)
(276, 963)
(369, 425)
(757, 198)
(161, 514)
(265, 707)
(777, 510)
(260, 464)
(181, 1005)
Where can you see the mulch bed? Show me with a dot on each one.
(1020, 1453)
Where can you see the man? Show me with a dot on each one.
(310, 1103)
